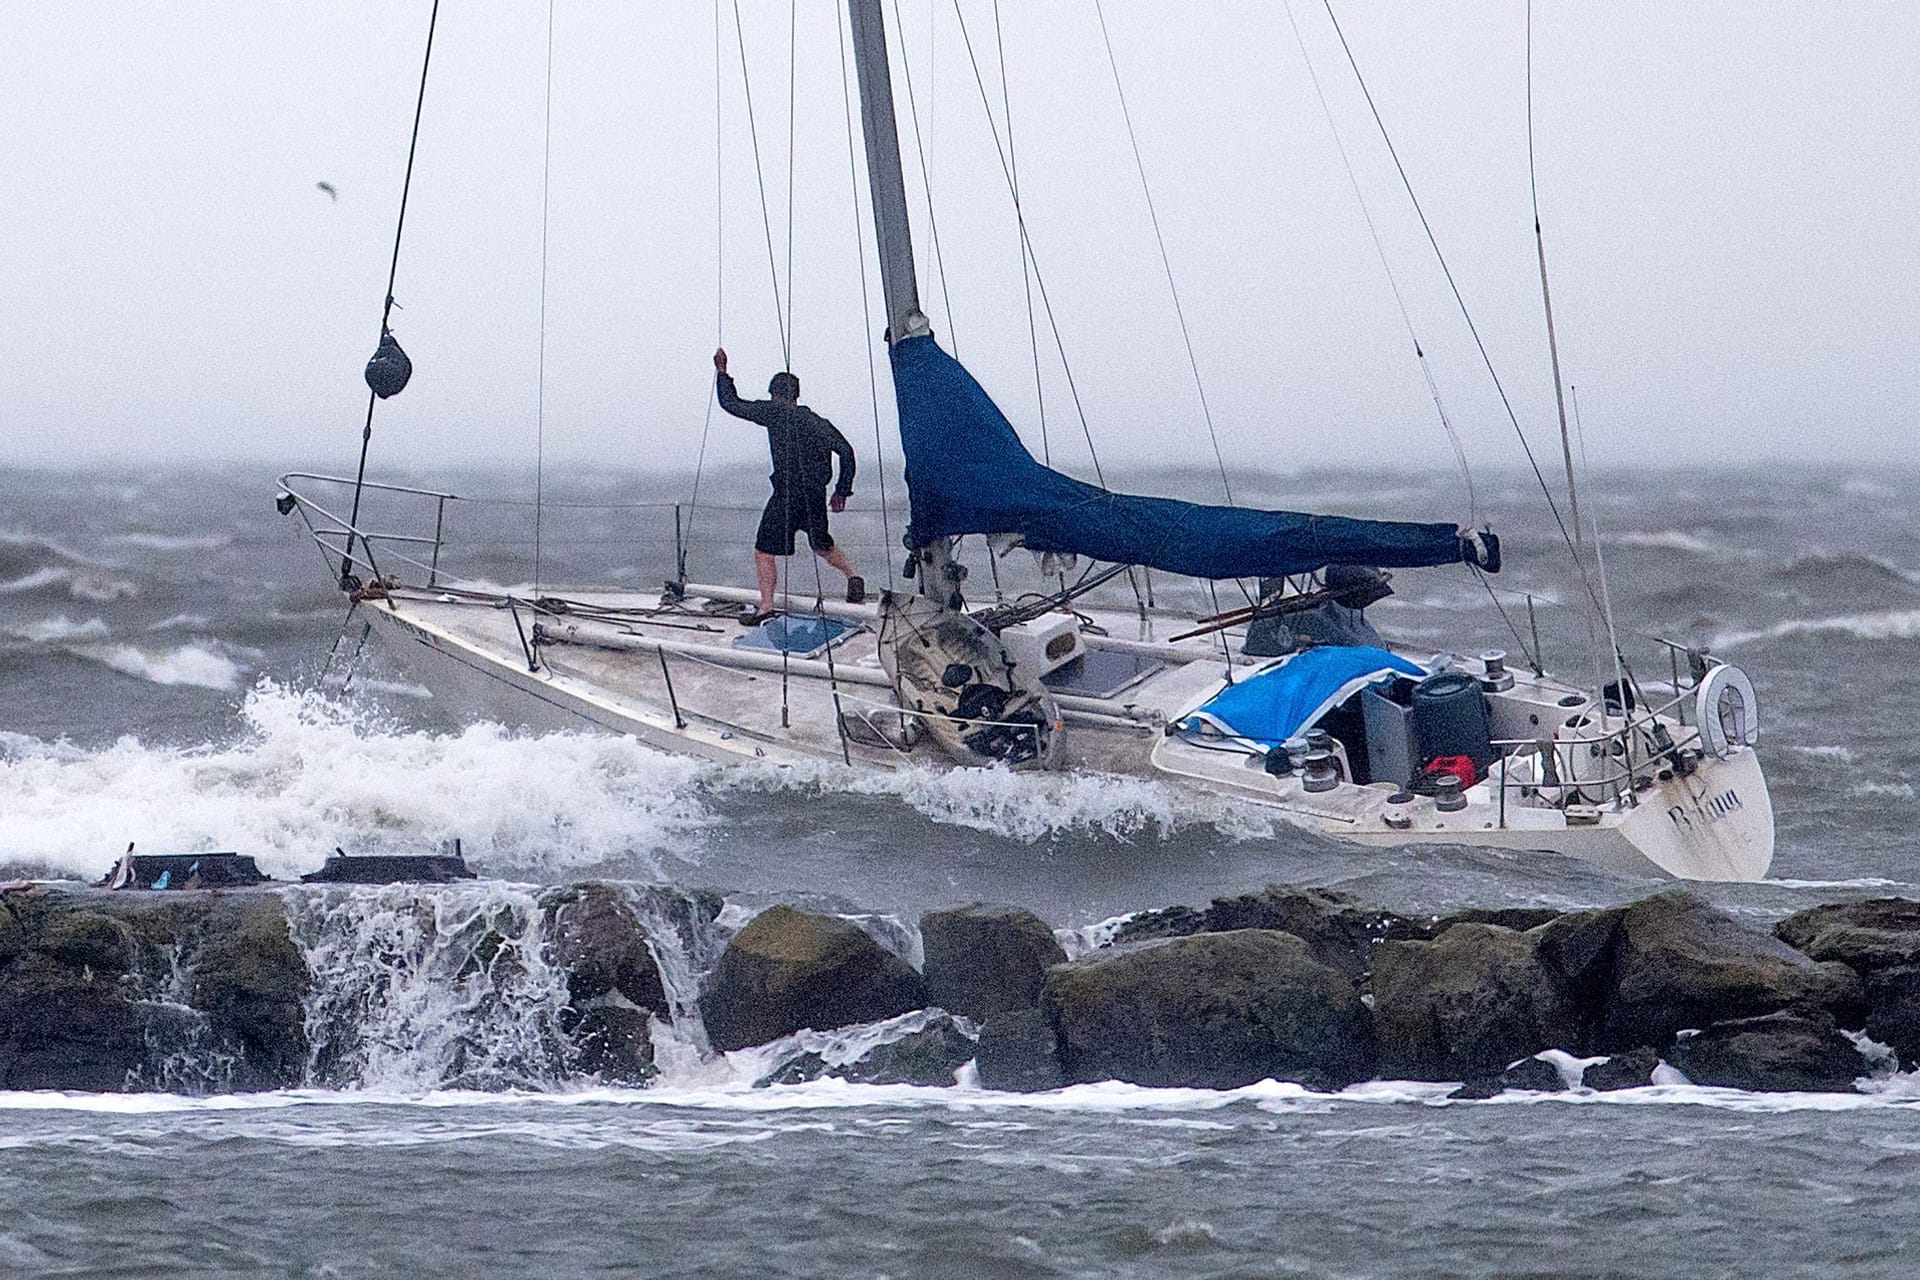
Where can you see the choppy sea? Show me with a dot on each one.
(164, 679)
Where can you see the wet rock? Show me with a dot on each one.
(789, 970)
(1214, 1010)
(1629, 1070)
(194, 991)
(251, 981)
(1534, 1074)
(1893, 1010)
(1161, 922)
(1517, 918)
(928, 1056)
(1019, 1052)
(1678, 963)
(800, 1070)
(63, 1027)
(614, 1043)
(1464, 1005)
(1779, 1052)
(981, 959)
(601, 944)
(1869, 934)
(1340, 931)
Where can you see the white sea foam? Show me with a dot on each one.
(181, 622)
(200, 664)
(96, 588)
(58, 629)
(171, 542)
(1864, 882)
(1882, 790)
(308, 775)
(1888, 624)
(1666, 540)
(1028, 807)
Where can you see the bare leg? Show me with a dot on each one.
(767, 569)
(838, 559)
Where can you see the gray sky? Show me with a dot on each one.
(1731, 194)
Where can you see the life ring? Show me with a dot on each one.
(1727, 711)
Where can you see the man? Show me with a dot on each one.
(802, 445)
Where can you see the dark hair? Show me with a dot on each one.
(784, 386)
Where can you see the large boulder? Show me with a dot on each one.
(251, 981)
(789, 970)
(1214, 1010)
(1679, 963)
(182, 991)
(1780, 1052)
(1340, 931)
(598, 940)
(1019, 1053)
(1466, 1004)
(1876, 933)
(981, 960)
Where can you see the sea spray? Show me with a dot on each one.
(415, 990)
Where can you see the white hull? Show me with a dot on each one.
(1715, 823)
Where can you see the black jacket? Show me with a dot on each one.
(802, 443)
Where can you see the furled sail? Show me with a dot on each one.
(967, 472)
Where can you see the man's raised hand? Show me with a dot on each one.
(720, 360)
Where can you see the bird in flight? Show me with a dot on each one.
(328, 188)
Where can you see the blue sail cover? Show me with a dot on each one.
(967, 472)
(1273, 705)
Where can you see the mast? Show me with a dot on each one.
(884, 176)
(939, 575)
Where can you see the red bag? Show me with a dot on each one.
(1460, 767)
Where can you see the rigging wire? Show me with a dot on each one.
(926, 181)
(386, 312)
(1546, 299)
(793, 62)
(866, 308)
(1026, 239)
(719, 291)
(1039, 280)
(760, 177)
(1386, 266)
(540, 393)
(1026, 261)
(1159, 239)
(1486, 357)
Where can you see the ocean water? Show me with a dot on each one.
(164, 680)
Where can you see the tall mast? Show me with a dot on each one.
(904, 317)
(938, 573)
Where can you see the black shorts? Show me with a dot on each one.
(790, 511)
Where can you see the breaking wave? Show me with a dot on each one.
(96, 588)
(201, 664)
(1666, 540)
(308, 773)
(1888, 624)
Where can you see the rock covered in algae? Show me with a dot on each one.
(1214, 1010)
(789, 970)
(982, 960)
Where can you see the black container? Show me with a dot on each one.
(1450, 719)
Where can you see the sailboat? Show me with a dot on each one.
(1347, 737)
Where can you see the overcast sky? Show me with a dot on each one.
(1731, 195)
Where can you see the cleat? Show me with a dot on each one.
(856, 589)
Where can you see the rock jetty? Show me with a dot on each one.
(227, 990)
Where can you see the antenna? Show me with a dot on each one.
(1546, 296)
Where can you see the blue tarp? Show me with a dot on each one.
(804, 635)
(967, 472)
(1279, 702)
